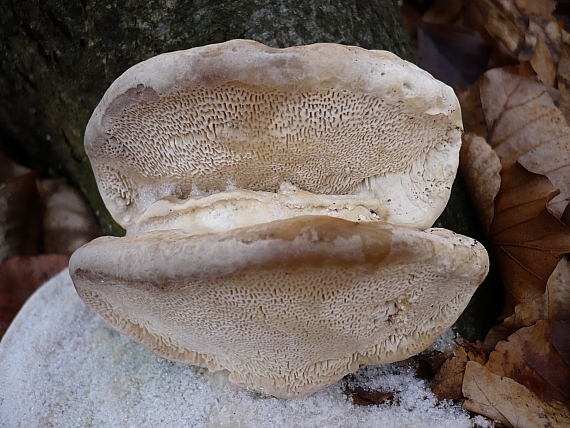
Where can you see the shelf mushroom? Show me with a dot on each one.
(278, 205)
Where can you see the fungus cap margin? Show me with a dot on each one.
(328, 118)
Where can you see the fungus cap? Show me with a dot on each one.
(327, 118)
(288, 307)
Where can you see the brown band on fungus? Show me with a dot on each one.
(310, 241)
(280, 302)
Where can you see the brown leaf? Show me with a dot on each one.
(480, 167)
(517, 25)
(528, 240)
(473, 117)
(504, 22)
(543, 63)
(509, 402)
(525, 126)
(444, 12)
(529, 358)
(563, 73)
(446, 385)
(9, 168)
(552, 305)
(429, 364)
(68, 222)
(539, 8)
(550, 32)
(20, 216)
(362, 397)
(19, 278)
(453, 54)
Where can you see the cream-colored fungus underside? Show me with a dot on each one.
(265, 193)
(285, 331)
(233, 209)
(201, 140)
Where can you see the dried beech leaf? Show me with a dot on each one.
(480, 167)
(518, 24)
(525, 126)
(543, 63)
(453, 54)
(563, 73)
(558, 338)
(509, 402)
(68, 221)
(429, 363)
(552, 305)
(444, 12)
(19, 278)
(20, 216)
(10, 169)
(362, 397)
(539, 8)
(528, 240)
(550, 32)
(446, 385)
(529, 358)
(503, 21)
(473, 117)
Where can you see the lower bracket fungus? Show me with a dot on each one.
(278, 205)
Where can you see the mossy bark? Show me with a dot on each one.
(58, 58)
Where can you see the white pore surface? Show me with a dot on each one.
(62, 366)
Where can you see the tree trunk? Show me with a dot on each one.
(59, 57)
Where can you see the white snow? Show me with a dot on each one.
(61, 366)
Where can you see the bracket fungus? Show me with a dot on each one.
(277, 204)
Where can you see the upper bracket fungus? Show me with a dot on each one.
(277, 205)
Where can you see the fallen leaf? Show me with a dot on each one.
(551, 305)
(20, 277)
(539, 8)
(424, 365)
(528, 241)
(444, 12)
(503, 399)
(563, 73)
(68, 222)
(446, 385)
(9, 168)
(20, 216)
(453, 54)
(504, 22)
(543, 63)
(525, 126)
(501, 57)
(518, 24)
(528, 357)
(558, 338)
(550, 32)
(362, 397)
(472, 111)
(429, 364)
(480, 168)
